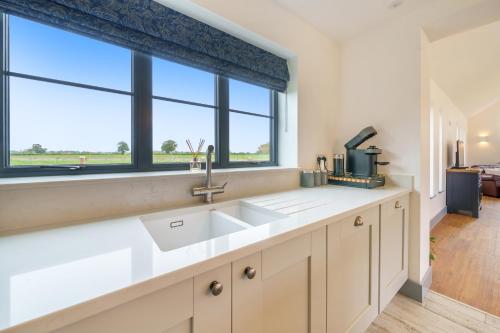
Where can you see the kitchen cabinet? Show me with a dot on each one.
(352, 264)
(394, 231)
(282, 288)
(334, 279)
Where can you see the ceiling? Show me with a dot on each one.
(343, 19)
(467, 67)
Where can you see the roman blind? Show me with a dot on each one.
(149, 27)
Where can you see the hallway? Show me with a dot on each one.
(467, 266)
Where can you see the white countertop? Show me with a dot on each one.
(55, 277)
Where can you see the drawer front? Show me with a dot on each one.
(160, 311)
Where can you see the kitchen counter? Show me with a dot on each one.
(55, 277)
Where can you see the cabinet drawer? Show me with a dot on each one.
(157, 312)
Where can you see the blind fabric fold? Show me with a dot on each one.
(149, 27)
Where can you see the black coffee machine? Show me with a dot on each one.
(361, 164)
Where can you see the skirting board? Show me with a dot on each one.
(439, 216)
(418, 291)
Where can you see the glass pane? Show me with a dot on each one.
(249, 138)
(249, 98)
(182, 82)
(41, 50)
(173, 123)
(53, 124)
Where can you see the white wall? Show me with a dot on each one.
(385, 82)
(312, 104)
(380, 77)
(487, 124)
(453, 120)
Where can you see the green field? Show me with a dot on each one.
(18, 159)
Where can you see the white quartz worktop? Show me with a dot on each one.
(54, 277)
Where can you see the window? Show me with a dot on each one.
(183, 108)
(441, 153)
(250, 121)
(73, 104)
(69, 98)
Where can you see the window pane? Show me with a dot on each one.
(249, 138)
(41, 50)
(249, 98)
(178, 122)
(53, 124)
(176, 81)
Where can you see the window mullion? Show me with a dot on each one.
(274, 127)
(142, 111)
(4, 118)
(222, 119)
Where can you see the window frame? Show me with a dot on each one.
(141, 135)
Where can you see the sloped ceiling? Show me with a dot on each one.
(344, 19)
(467, 67)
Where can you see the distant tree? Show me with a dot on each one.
(169, 146)
(122, 147)
(37, 148)
(263, 149)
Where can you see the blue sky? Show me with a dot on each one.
(67, 118)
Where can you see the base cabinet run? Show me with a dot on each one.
(335, 279)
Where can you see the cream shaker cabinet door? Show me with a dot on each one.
(169, 310)
(294, 285)
(394, 228)
(352, 279)
(212, 301)
(247, 297)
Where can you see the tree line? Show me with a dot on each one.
(167, 147)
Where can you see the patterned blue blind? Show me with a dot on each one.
(147, 26)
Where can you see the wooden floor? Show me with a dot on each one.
(438, 313)
(467, 267)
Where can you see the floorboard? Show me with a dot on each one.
(438, 313)
(467, 267)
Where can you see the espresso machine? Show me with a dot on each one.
(360, 164)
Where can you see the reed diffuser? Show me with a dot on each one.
(195, 164)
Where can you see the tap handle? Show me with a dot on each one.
(224, 185)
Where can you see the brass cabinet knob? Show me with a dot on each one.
(358, 222)
(250, 272)
(216, 288)
(398, 205)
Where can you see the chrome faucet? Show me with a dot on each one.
(209, 190)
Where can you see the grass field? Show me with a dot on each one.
(113, 158)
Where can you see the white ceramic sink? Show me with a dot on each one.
(250, 214)
(182, 227)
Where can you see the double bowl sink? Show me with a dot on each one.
(182, 227)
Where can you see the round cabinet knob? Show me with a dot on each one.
(398, 205)
(250, 272)
(358, 222)
(216, 288)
